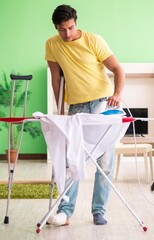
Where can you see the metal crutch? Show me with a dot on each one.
(11, 169)
(52, 172)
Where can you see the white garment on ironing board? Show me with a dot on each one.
(80, 132)
(64, 137)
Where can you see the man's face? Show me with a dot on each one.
(67, 30)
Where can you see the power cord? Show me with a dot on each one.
(136, 165)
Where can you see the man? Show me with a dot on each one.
(82, 57)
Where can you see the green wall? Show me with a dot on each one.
(127, 26)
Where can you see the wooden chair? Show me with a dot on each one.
(129, 149)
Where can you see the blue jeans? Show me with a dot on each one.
(101, 185)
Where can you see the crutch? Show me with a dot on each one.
(11, 168)
(52, 172)
(58, 112)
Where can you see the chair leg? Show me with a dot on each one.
(146, 167)
(117, 165)
(151, 164)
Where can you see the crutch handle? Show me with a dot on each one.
(20, 77)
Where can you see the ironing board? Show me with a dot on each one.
(112, 129)
(100, 133)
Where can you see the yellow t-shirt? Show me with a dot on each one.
(81, 61)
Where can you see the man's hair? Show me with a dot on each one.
(63, 13)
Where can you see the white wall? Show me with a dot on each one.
(138, 92)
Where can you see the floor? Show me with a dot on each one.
(122, 225)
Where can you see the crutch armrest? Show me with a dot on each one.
(20, 77)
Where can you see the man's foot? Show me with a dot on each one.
(99, 219)
(59, 219)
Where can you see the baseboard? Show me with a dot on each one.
(30, 156)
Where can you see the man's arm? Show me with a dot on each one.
(119, 77)
(56, 78)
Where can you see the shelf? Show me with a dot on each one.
(136, 70)
(136, 75)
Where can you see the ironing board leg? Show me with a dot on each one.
(118, 193)
(48, 214)
(51, 194)
(45, 218)
(51, 188)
